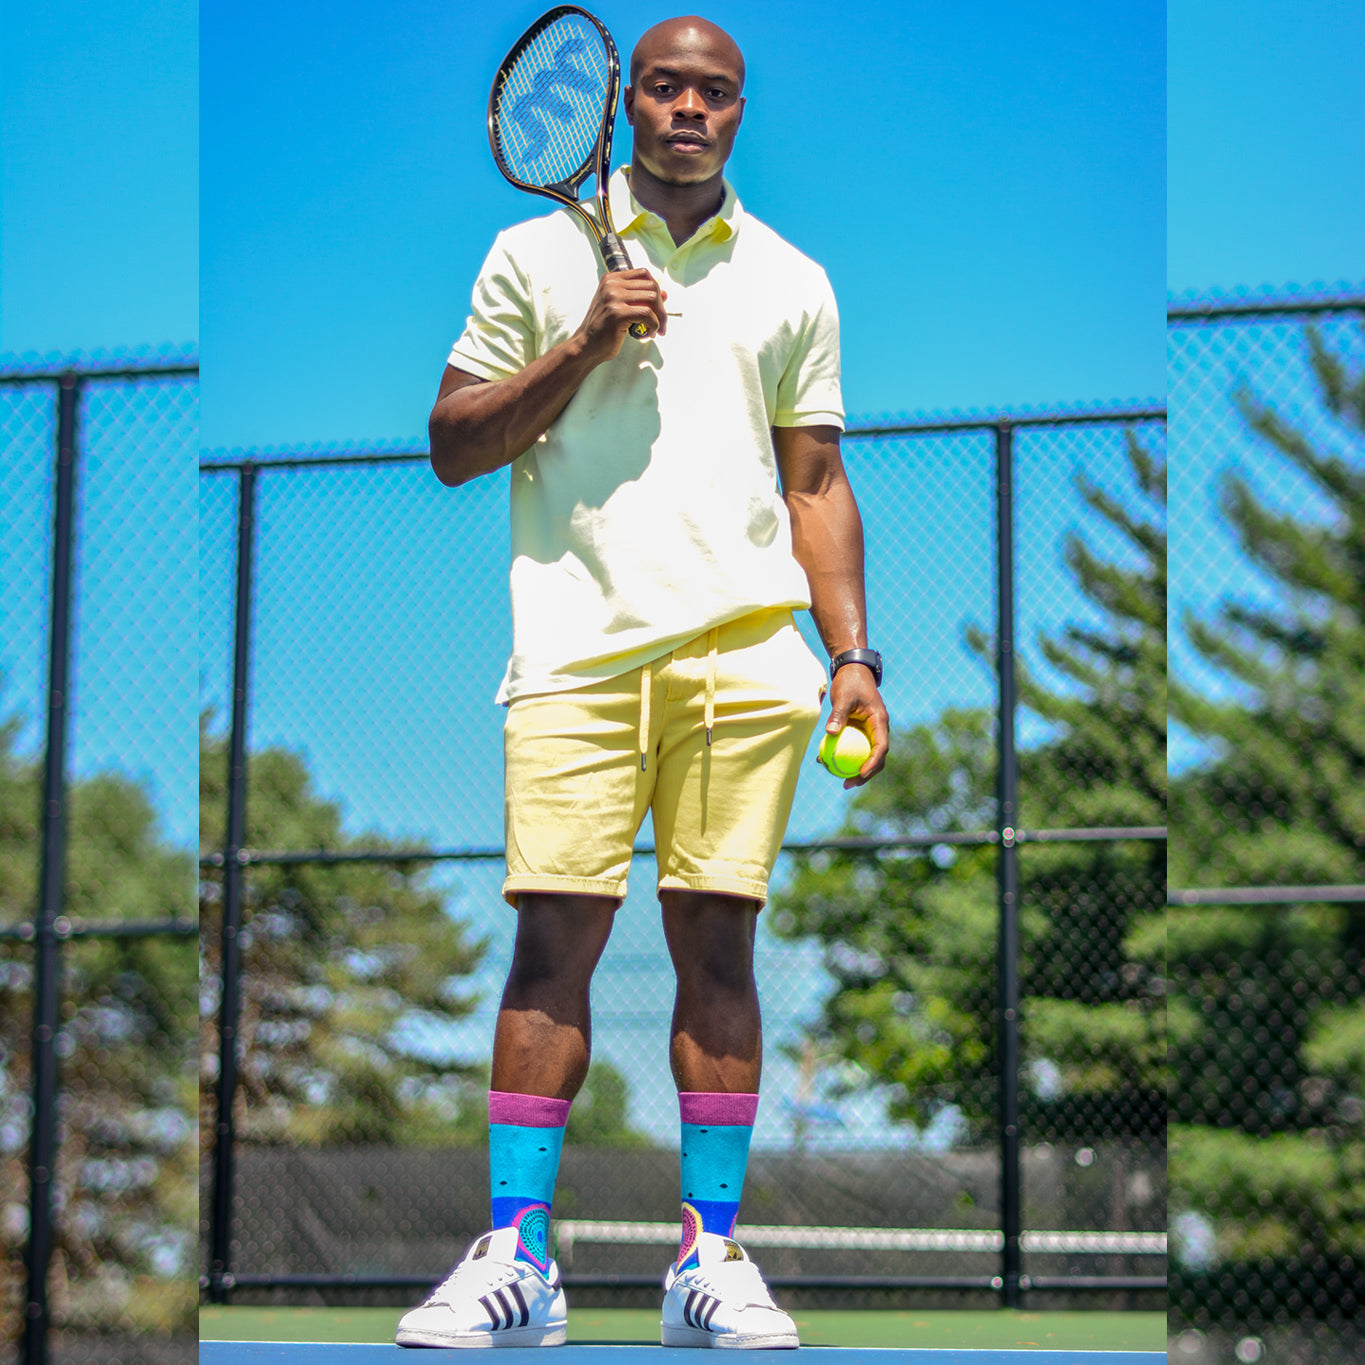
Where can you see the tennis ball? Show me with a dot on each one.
(845, 753)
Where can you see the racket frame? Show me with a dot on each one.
(598, 160)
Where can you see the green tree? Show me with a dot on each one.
(1093, 977)
(910, 937)
(1268, 1078)
(125, 1187)
(344, 966)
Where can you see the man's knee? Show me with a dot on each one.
(559, 938)
(711, 939)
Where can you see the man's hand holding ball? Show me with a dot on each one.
(844, 753)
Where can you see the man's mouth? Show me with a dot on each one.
(687, 142)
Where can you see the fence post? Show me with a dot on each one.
(224, 1139)
(51, 885)
(1007, 865)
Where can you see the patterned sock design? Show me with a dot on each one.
(525, 1137)
(716, 1129)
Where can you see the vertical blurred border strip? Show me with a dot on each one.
(98, 972)
(1267, 918)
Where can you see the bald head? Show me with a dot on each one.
(687, 35)
(684, 103)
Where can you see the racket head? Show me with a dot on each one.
(553, 105)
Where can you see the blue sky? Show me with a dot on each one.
(99, 175)
(1263, 96)
(985, 190)
(1025, 141)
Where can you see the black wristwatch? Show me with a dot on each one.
(870, 657)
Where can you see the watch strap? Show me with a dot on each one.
(869, 657)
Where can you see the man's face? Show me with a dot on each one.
(684, 104)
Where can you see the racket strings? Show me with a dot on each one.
(549, 105)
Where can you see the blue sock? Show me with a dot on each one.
(525, 1137)
(716, 1129)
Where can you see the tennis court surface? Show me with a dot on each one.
(312, 1353)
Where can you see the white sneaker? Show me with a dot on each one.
(490, 1299)
(722, 1302)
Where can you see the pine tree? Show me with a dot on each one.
(125, 1189)
(910, 937)
(1093, 978)
(1268, 1062)
(342, 966)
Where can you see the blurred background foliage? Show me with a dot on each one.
(1267, 1074)
(125, 1187)
(909, 934)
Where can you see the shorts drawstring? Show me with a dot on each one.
(710, 717)
(709, 714)
(644, 714)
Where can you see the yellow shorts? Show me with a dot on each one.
(583, 767)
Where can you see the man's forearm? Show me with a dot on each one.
(476, 428)
(827, 541)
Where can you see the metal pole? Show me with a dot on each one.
(220, 1230)
(51, 885)
(1007, 795)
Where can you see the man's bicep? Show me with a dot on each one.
(808, 458)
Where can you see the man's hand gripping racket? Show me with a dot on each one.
(550, 119)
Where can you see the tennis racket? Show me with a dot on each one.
(550, 119)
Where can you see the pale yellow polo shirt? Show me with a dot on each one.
(650, 511)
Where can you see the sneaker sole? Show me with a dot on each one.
(554, 1335)
(681, 1335)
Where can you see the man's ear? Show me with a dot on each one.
(628, 96)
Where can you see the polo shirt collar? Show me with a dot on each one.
(631, 217)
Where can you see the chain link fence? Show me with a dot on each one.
(960, 1099)
(1265, 931)
(97, 831)
(354, 626)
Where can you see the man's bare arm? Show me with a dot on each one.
(827, 540)
(476, 427)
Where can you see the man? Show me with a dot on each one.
(673, 500)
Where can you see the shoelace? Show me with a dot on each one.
(472, 1276)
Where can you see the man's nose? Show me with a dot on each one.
(690, 104)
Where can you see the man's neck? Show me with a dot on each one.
(684, 208)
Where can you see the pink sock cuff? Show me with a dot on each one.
(527, 1111)
(701, 1106)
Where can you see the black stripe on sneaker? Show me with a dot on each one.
(502, 1298)
(687, 1310)
(709, 1312)
(493, 1315)
(521, 1303)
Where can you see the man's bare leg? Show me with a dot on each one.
(543, 1039)
(716, 1050)
(717, 1039)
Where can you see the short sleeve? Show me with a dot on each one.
(499, 338)
(809, 394)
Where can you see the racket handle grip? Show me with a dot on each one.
(615, 257)
(614, 253)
